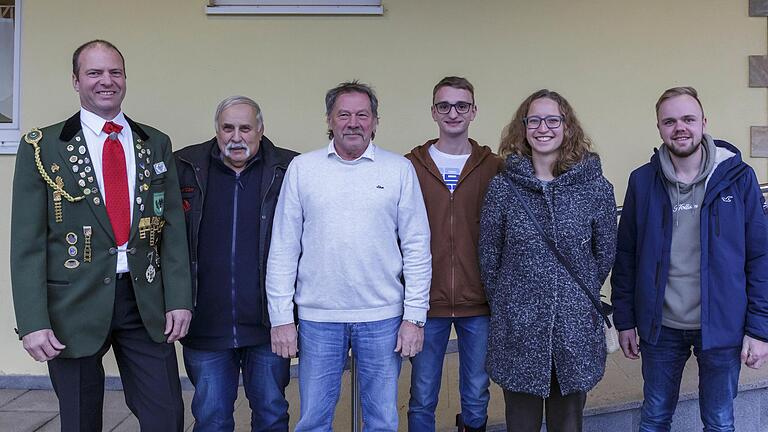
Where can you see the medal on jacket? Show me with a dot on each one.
(71, 239)
(87, 232)
(152, 232)
(155, 230)
(58, 213)
(144, 227)
(151, 272)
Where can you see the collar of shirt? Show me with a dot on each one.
(369, 153)
(96, 124)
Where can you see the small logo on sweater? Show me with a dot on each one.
(379, 187)
(727, 199)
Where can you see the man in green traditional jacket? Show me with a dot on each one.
(99, 252)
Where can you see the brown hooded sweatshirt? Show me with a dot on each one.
(454, 220)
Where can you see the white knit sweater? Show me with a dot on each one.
(344, 234)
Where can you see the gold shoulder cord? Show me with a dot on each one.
(32, 138)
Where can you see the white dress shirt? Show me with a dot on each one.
(94, 136)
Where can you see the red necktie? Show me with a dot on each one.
(116, 184)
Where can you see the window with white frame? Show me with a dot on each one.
(10, 11)
(295, 7)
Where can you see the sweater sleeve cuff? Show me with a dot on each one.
(278, 319)
(416, 314)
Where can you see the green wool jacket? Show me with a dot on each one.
(56, 285)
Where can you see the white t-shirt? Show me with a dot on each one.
(449, 165)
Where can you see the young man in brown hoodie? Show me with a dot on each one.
(453, 172)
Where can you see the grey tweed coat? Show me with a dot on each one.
(540, 317)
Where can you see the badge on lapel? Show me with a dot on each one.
(158, 199)
(160, 168)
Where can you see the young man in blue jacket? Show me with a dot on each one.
(692, 267)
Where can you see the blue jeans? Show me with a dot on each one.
(323, 351)
(427, 370)
(663, 365)
(215, 377)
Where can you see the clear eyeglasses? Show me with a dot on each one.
(552, 122)
(445, 107)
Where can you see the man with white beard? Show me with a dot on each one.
(229, 187)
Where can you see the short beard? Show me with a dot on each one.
(683, 153)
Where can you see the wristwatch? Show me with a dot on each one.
(419, 324)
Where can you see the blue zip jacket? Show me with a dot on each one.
(210, 329)
(734, 254)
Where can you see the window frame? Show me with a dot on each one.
(10, 133)
(294, 7)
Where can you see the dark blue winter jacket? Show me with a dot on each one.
(734, 254)
(235, 316)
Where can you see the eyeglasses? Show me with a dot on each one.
(552, 122)
(445, 107)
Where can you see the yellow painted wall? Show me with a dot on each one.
(610, 58)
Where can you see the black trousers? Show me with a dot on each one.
(148, 370)
(523, 411)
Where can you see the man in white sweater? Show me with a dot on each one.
(351, 247)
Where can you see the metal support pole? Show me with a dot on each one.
(357, 416)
